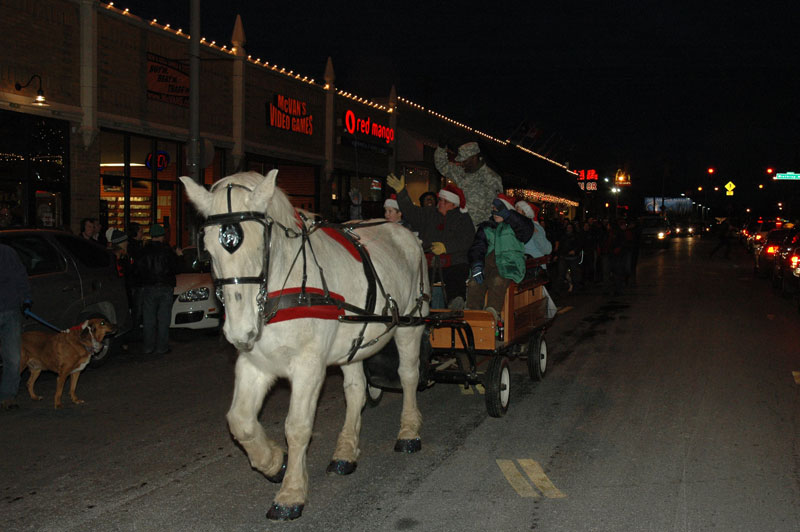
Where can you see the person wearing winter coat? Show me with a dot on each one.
(471, 173)
(497, 255)
(446, 232)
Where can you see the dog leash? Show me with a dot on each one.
(40, 320)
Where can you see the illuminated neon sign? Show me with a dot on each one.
(587, 179)
(354, 124)
(290, 114)
(162, 160)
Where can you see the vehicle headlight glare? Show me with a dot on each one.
(195, 294)
(660, 236)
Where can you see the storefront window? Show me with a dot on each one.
(141, 201)
(33, 170)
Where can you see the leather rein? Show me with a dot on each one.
(231, 237)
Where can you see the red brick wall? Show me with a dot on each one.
(41, 37)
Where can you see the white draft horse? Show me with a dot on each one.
(262, 250)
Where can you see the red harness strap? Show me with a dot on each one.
(343, 241)
(322, 312)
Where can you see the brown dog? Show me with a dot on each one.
(65, 353)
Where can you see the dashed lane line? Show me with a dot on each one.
(538, 476)
(515, 478)
(534, 470)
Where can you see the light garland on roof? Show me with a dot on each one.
(310, 81)
(532, 195)
(482, 134)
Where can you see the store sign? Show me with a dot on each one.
(290, 114)
(167, 80)
(162, 160)
(622, 179)
(354, 124)
(587, 180)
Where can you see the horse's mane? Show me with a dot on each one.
(280, 208)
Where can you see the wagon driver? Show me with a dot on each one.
(470, 172)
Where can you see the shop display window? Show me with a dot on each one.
(34, 173)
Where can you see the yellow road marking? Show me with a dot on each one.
(515, 478)
(564, 310)
(796, 375)
(538, 476)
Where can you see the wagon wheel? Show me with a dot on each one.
(497, 381)
(537, 357)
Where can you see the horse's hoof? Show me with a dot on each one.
(278, 512)
(277, 478)
(408, 446)
(341, 467)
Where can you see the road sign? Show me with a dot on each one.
(787, 176)
(729, 187)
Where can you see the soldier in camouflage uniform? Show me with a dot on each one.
(480, 183)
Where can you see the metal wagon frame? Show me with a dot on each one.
(470, 347)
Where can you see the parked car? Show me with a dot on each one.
(71, 279)
(766, 249)
(787, 260)
(757, 232)
(655, 231)
(196, 305)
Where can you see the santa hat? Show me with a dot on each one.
(531, 211)
(507, 201)
(391, 201)
(454, 195)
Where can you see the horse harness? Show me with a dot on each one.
(231, 237)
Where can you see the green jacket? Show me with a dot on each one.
(509, 253)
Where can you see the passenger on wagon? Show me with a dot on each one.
(392, 212)
(538, 245)
(446, 232)
(497, 256)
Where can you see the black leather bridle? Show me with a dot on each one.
(231, 237)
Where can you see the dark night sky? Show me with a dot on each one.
(664, 88)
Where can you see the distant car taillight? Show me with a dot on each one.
(795, 261)
(771, 250)
(758, 237)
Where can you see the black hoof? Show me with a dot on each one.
(341, 467)
(408, 446)
(284, 513)
(277, 478)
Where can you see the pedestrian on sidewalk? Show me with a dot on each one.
(15, 298)
(155, 269)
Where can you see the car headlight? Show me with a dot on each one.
(195, 294)
(661, 236)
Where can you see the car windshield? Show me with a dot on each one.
(188, 263)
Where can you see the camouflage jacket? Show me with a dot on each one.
(480, 187)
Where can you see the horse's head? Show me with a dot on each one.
(235, 235)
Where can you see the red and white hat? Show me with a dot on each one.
(454, 195)
(391, 201)
(531, 211)
(507, 201)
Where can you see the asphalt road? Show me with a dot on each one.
(672, 407)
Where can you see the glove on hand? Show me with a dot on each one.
(502, 211)
(477, 273)
(438, 248)
(397, 183)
